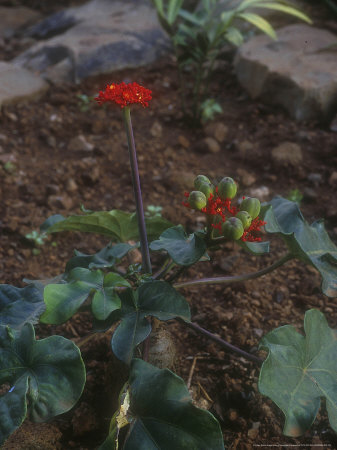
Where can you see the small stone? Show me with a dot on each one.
(59, 202)
(217, 130)
(211, 145)
(309, 194)
(51, 141)
(333, 179)
(254, 431)
(3, 138)
(184, 142)
(333, 124)
(246, 178)
(261, 192)
(287, 153)
(79, 143)
(52, 189)
(315, 178)
(244, 147)
(71, 185)
(156, 130)
(7, 158)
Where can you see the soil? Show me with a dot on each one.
(42, 174)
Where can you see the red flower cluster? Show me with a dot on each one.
(125, 94)
(218, 208)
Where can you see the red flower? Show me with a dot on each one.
(221, 209)
(125, 94)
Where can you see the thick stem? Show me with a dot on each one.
(221, 342)
(144, 247)
(238, 278)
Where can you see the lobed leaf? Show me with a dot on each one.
(162, 415)
(120, 226)
(299, 370)
(154, 298)
(46, 377)
(183, 249)
(20, 305)
(309, 243)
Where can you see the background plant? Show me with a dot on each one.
(199, 36)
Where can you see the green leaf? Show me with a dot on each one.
(163, 416)
(154, 298)
(301, 369)
(283, 8)
(309, 243)
(20, 305)
(120, 226)
(63, 300)
(183, 249)
(234, 36)
(46, 377)
(107, 257)
(191, 18)
(173, 9)
(259, 22)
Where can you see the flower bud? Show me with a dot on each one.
(197, 200)
(245, 218)
(200, 179)
(227, 188)
(251, 205)
(207, 189)
(232, 229)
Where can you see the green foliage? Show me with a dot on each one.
(299, 370)
(198, 37)
(309, 243)
(118, 225)
(20, 305)
(64, 300)
(158, 299)
(183, 249)
(46, 377)
(162, 416)
(37, 237)
(295, 195)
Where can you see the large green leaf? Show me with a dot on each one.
(63, 300)
(162, 416)
(154, 298)
(301, 369)
(46, 377)
(20, 305)
(183, 249)
(107, 257)
(120, 226)
(309, 243)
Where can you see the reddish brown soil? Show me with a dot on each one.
(35, 138)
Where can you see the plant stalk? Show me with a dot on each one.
(144, 246)
(221, 342)
(238, 278)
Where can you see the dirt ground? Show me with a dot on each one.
(42, 173)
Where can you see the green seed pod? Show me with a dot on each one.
(245, 218)
(232, 229)
(251, 205)
(207, 189)
(200, 179)
(197, 200)
(227, 188)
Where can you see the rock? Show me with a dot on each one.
(18, 84)
(100, 36)
(80, 144)
(333, 179)
(287, 153)
(217, 130)
(156, 129)
(315, 178)
(13, 19)
(71, 185)
(183, 141)
(261, 192)
(333, 124)
(291, 72)
(309, 194)
(52, 189)
(244, 147)
(211, 145)
(57, 202)
(246, 178)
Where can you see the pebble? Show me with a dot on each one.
(246, 178)
(211, 145)
(52, 189)
(217, 130)
(60, 202)
(261, 192)
(184, 142)
(244, 147)
(71, 185)
(156, 130)
(287, 153)
(309, 194)
(333, 124)
(79, 143)
(333, 179)
(315, 178)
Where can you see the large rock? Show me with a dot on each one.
(18, 84)
(297, 72)
(13, 19)
(100, 36)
